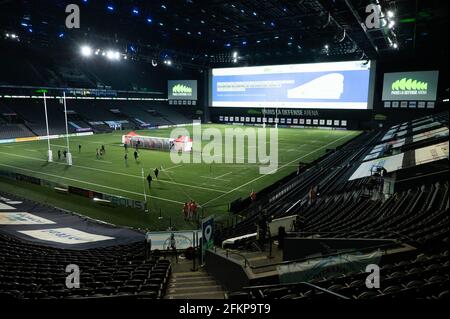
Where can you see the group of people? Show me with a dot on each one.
(150, 177)
(190, 210)
(64, 153)
(135, 153)
(100, 152)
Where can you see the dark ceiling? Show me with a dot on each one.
(205, 33)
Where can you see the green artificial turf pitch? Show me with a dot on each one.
(212, 186)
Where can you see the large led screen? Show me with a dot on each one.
(410, 86)
(336, 85)
(182, 90)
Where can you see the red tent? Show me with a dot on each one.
(183, 139)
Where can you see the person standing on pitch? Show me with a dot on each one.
(103, 150)
(65, 154)
(98, 153)
(149, 180)
(136, 155)
(156, 171)
(59, 155)
(79, 148)
(186, 211)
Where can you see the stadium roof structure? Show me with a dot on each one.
(206, 33)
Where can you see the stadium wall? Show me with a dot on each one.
(102, 198)
(40, 138)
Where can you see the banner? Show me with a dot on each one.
(325, 267)
(207, 235)
(123, 201)
(19, 218)
(161, 240)
(67, 236)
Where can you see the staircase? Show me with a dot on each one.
(193, 285)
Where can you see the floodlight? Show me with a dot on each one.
(86, 51)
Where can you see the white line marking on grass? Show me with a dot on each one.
(117, 173)
(89, 183)
(219, 177)
(57, 145)
(215, 179)
(172, 167)
(89, 142)
(261, 176)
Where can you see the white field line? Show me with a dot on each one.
(93, 184)
(171, 167)
(215, 179)
(261, 176)
(117, 173)
(219, 177)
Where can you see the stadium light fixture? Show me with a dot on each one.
(113, 55)
(86, 51)
(390, 14)
(391, 24)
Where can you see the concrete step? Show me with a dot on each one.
(193, 285)
(177, 284)
(201, 295)
(197, 289)
(191, 279)
(190, 274)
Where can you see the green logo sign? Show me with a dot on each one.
(181, 90)
(409, 85)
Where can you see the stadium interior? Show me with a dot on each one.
(118, 180)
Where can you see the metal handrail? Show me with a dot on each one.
(322, 256)
(298, 284)
(247, 262)
(355, 232)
